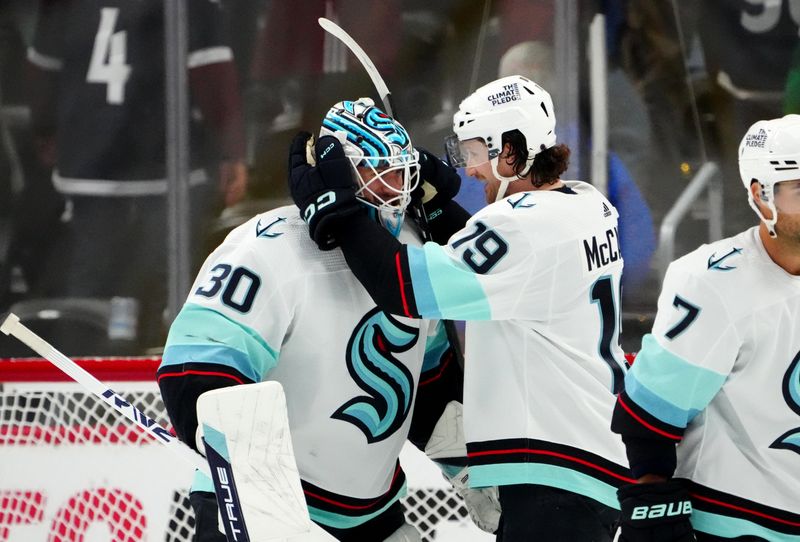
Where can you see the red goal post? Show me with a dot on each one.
(73, 469)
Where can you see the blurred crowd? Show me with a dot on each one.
(82, 124)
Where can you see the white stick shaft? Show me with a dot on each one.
(12, 326)
(374, 75)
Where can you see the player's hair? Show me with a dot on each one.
(548, 165)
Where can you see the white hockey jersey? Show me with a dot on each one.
(723, 362)
(537, 276)
(269, 304)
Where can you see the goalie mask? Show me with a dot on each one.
(385, 164)
(510, 103)
(769, 154)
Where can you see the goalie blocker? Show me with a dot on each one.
(245, 435)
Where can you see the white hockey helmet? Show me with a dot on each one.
(770, 153)
(509, 103)
(372, 139)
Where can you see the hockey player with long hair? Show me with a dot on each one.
(268, 304)
(536, 274)
(710, 413)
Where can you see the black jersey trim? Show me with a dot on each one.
(182, 384)
(629, 419)
(724, 504)
(329, 501)
(565, 190)
(211, 370)
(405, 285)
(495, 452)
(436, 373)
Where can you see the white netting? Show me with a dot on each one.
(73, 469)
(63, 449)
(426, 508)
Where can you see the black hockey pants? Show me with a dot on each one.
(546, 514)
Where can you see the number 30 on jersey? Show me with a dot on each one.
(238, 286)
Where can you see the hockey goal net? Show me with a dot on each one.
(73, 469)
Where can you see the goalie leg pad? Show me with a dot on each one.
(248, 426)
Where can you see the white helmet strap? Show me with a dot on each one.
(501, 193)
(770, 203)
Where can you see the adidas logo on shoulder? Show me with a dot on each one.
(606, 210)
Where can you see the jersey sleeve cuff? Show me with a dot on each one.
(650, 456)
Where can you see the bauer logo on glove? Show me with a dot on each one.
(651, 512)
(661, 510)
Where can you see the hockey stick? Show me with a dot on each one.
(380, 85)
(226, 452)
(12, 326)
(420, 217)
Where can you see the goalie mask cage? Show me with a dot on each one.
(74, 470)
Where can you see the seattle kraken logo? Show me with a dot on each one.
(393, 132)
(717, 264)
(791, 393)
(264, 231)
(374, 132)
(388, 383)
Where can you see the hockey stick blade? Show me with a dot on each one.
(13, 327)
(374, 75)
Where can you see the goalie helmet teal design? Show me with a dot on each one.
(381, 149)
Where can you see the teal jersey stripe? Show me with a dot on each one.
(220, 355)
(656, 406)
(545, 475)
(202, 482)
(728, 527)
(339, 521)
(216, 440)
(445, 289)
(423, 289)
(202, 335)
(434, 349)
(671, 378)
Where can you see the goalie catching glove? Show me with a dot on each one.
(447, 448)
(322, 185)
(655, 512)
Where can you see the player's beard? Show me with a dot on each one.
(490, 190)
(788, 228)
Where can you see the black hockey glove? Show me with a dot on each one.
(438, 184)
(322, 185)
(655, 512)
